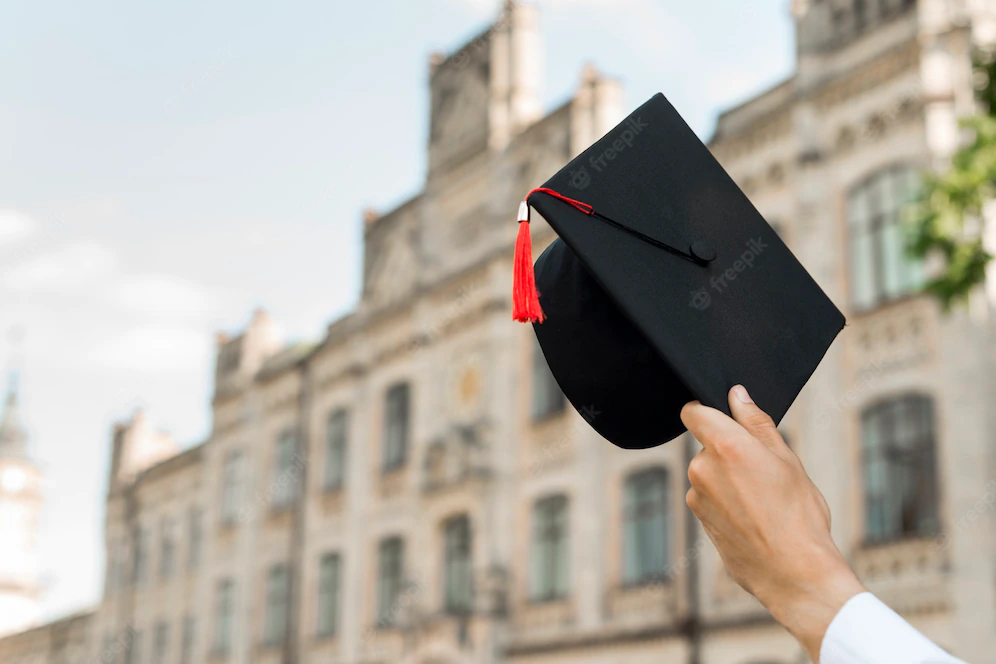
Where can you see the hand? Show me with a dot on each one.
(767, 519)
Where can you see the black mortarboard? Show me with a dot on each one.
(665, 285)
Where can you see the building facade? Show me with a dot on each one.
(414, 488)
(20, 506)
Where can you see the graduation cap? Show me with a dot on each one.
(664, 286)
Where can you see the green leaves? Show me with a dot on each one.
(947, 219)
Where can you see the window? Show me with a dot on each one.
(548, 399)
(224, 611)
(899, 471)
(457, 579)
(133, 648)
(160, 644)
(335, 450)
(646, 527)
(195, 537)
(549, 562)
(285, 475)
(880, 268)
(860, 14)
(396, 424)
(140, 556)
(328, 595)
(187, 640)
(231, 491)
(115, 566)
(276, 606)
(166, 548)
(108, 655)
(390, 579)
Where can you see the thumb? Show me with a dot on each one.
(757, 423)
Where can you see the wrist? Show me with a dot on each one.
(806, 607)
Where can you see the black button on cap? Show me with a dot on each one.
(703, 252)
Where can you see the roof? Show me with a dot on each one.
(742, 117)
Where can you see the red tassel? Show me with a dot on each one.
(525, 298)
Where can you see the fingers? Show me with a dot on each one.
(754, 420)
(712, 428)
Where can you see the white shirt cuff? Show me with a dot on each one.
(866, 631)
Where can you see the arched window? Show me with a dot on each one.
(646, 527)
(457, 575)
(899, 469)
(550, 553)
(880, 268)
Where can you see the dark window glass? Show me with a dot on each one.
(391, 566)
(457, 572)
(899, 469)
(646, 527)
(396, 426)
(328, 595)
(550, 555)
(275, 624)
(335, 450)
(881, 270)
(285, 471)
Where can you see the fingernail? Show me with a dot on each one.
(741, 393)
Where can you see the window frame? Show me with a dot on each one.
(232, 486)
(387, 598)
(195, 535)
(277, 606)
(224, 617)
(187, 638)
(285, 475)
(160, 643)
(458, 561)
(328, 613)
(133, 647)
(336, 450)
(881, 458)
(869, 221)
(640, 512)
(550, 529)
(167, 550)
(140, 556)
(396, 439)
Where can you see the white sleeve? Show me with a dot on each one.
(866, 631)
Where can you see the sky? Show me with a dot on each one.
(166, 168)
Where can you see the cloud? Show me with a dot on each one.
(15, 226)
(67, 269)
(161, 295)
(159, 349)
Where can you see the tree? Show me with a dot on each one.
(947, 217)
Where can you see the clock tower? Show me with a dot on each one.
(20, 504)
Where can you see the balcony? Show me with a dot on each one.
(911, 576)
